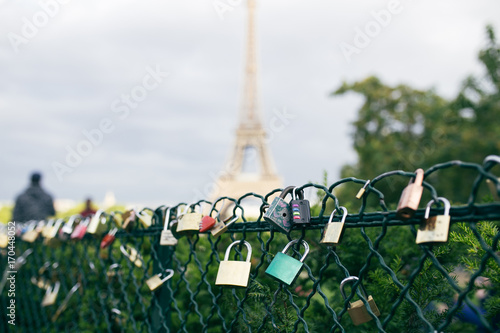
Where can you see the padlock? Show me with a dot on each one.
(221, 227)
(113, 270)
(109, 238)
(279, 213)
(333, 230)
(40, 282)
(51, 239)
(128, 219)
(81, 229)
(145, 218)
(208, 222)
(234, 273)
(301, 209)
(189, 222)
(410, 198)
(50, 230)
(167, 237)
(67, 228)
(362, 190)
(357, 310)
(31, 234)
(155, 281)
(47, 227)
(285, 268)
(51, 294)
(434, 229)
(97, 225)
(133, 256)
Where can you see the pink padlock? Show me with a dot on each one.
(80, 230)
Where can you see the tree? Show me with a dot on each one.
(404, 128)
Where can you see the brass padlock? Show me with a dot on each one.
(51, 294)
(97, 224)
(410, 198)
(357, 310)
(167, 237)
(113, 270)
(128, 219)
(333, 230)
(133, 256)
(155, 281)
(31, 233)
(51, 237)
(362, 190)
(47, 227)
(189, 222)
(145, 218)
(435, 229)
(234, 273)
(40, 282)
(221, 227)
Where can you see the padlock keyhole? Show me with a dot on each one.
(284, 214)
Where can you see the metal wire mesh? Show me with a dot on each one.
(417, 288)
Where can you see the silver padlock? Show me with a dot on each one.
(155, 281)
(434, 229)
(167, 237)
(333, 230)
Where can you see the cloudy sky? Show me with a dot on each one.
(67, 67)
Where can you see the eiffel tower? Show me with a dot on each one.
(250, 145)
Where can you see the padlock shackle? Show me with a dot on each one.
(351, 279)
(166, 223)
(286, 190)
(295, 241)
(234, 219)
(447, 207)
(300, 195)
(419, 178)
(53, 289)
(72, 219)
(490, 161)
(125, 248)
(169, 275)
(247, 244)
(344, 215)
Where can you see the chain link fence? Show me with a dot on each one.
(433, 287)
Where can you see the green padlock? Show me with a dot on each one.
(285, 268)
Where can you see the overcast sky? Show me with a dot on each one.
(65, 69)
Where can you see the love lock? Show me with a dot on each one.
(279, 213)
(133, 256)
(357, 310)
(285, 268)
(333, 230)
(167, 237)
(51, 294)
(234, 273)
(155, 281)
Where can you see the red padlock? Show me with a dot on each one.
(207, 223)
(109, 238)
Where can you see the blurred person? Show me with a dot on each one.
(34, 203)
(88, 211)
